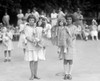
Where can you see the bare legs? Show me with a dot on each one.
(7, 55)
(33, 69)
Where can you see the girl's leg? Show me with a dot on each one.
(60, 53)
(92, 37)
(97, 37)
(65, 69)
(5, 55)
(65, 50)
(35, 69)
(31, 64)
(70, 70)
(9, 55)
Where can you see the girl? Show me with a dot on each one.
(94, 31)
(47, 29)
(31, 54)
(40, 40)
(7, 42)
(61, 37)
(22, 41)
(68, 56)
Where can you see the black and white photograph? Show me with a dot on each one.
(49, 40)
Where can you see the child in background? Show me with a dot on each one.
(47, 29)
(40, 46)
(94, 30)
(7, 42)
(61, 37)
(68, 56)
(22, 41)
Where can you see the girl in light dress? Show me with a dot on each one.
(86, 31)
(47, 29)
(41, 48)
(94, 30)
(22, 41)
(33, 46)
(70, 47)
(7, 42)
(20, 15)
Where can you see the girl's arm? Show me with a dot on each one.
(10, 35)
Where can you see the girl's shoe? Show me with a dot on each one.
(35, 77)
(31, 78)
(69, 77)
(65, 77)
(5, 60)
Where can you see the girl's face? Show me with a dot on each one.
(31, 21)
(61, 23)
(69, 20)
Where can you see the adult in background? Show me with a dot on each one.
(78, 18)
(54, 18)
(6, 19)
(61, 14)
(35, 13)
(20, 15)
(28, 13)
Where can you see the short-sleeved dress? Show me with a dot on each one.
(47, 30)
(7, 41)
(40, 44)
(70, 47)
(32, 53)
(62, 36)
(94, 31)
(54, 19)
(19, 16)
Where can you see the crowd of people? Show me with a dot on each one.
(35, 29)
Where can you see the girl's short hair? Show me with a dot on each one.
(70, 15)
(31, 17)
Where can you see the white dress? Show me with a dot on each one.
(19, 16)
(47, 30)
(94, 31)
(40, 50)
(7, 40)
(33, 53)
(54, 19)
(22, 41)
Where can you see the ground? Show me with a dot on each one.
(86, 64)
